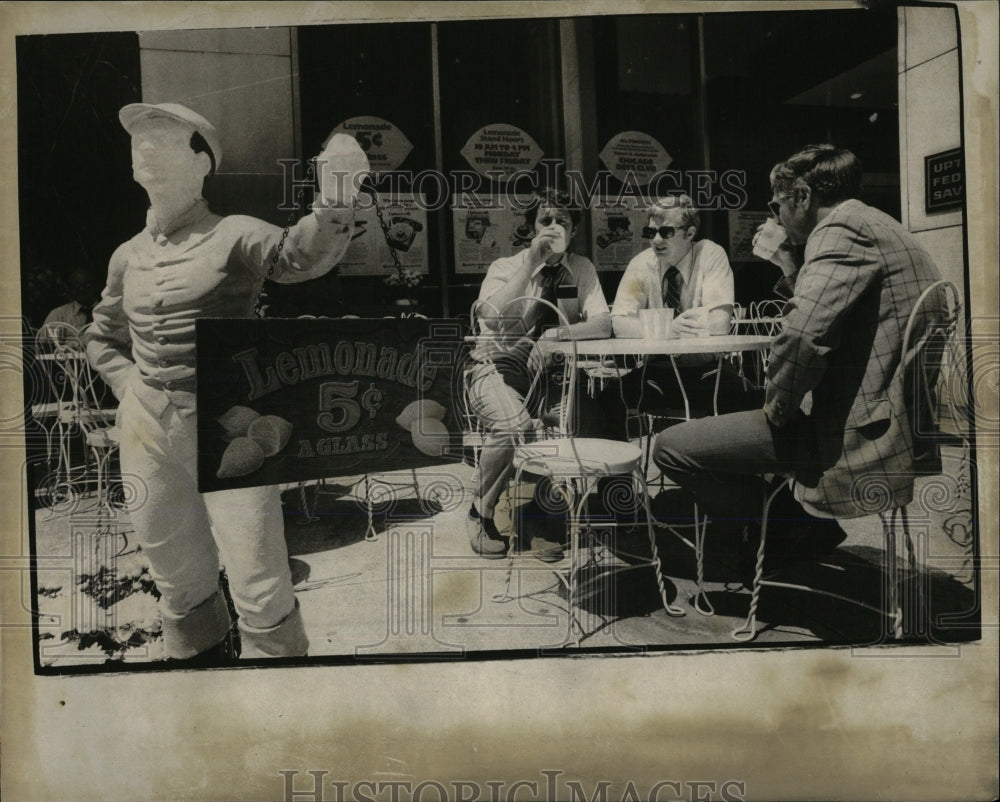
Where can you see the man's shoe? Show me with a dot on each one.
(805, 542)
(487, 541)
(546, 550)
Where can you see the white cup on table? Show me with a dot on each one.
(664, 318)
(656, 323)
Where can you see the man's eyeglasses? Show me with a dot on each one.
(665, 232)
(775, 205)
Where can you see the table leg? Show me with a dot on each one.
(718, 380)
(680, 384)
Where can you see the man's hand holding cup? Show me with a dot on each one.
(771, 244)
(547, 243)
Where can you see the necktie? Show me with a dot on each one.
(672, 289)
(546, 316)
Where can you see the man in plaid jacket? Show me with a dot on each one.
(834, 417)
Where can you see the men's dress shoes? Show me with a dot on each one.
(789, 544)
(546, 550)
(487, 541)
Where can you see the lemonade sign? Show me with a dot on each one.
(284, 401)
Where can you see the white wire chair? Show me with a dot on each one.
(48, 411)
(573, 465)
(100, 432)
(81, 410)
(764, 318)
(59, 353)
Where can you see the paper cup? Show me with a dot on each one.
(664, 318)
(769, 239)
(648, 319)
(558, 244)
(656, 323)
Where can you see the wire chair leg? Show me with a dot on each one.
(671, 609)
(893, 613)
(700, 598)
(918, 622)
(748, 631)
(307, 516)
(370, 534)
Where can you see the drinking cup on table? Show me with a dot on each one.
(648, 319)
(768, 239)
(656, 323)
(664, 318)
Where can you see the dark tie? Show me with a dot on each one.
(672, 289)
(546, 316)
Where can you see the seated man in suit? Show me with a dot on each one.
(507, 357)
(840, 347)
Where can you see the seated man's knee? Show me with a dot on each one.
(664, 453)
(671, 448)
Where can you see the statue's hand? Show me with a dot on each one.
(342, 166)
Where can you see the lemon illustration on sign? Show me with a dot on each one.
(242, 456)
(417, 410)
(423, 419)
(430, 436)
(252, 437)
(236, 422)
(270, 432)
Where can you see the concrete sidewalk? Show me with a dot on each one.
(400, 579)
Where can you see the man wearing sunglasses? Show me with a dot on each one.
(835, 416)
(501, 391)
(692, 277)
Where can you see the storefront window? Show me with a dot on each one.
(645, 70)
(501, 118)
(375, 82)
(775, 82)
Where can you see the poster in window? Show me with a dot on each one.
(369, 254)
(742, 226)
(488, 227)
(616, 232)
(499, 151)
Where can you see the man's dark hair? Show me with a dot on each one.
(199, 145)
(834, 174)
(553, 199)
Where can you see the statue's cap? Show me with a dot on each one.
(132, 113)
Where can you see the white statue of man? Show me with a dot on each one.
(187, 263)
